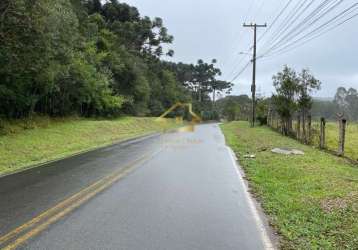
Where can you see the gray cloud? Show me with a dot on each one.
(209, 29)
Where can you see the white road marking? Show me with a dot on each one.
(264, 236)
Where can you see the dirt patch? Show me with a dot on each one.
(331, 205)
(340, 204)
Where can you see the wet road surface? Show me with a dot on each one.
(186, 195)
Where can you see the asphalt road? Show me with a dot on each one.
(185, 194)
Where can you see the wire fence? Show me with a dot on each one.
(339, 137)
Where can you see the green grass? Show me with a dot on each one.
(351, 145)
(46, 139)
(312, 200)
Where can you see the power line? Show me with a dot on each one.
(242, 59)
(278, 30)
(305, 23)
(293, 18)
(241, 71)
(275, 20)
(239, 34)
(300, 28)
(282, 51)
(336, 19)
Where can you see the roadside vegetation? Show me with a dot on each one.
(332, 131)
(97, 60)
(48, 139)
(312, 200)
(94, 58)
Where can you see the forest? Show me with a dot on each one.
(87, 58)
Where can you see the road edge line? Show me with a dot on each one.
(268, 244)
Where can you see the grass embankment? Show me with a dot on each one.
(50, 139)
(312, 200)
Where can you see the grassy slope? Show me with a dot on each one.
(312, 200)
(54, 139)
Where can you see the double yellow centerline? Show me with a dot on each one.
(35, 226)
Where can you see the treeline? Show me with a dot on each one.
(293, 97)
(344, 103)
(235, 107)
(83, 57)
(292, 100)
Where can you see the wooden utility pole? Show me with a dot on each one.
(253, 86)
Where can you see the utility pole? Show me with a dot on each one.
(253, 86)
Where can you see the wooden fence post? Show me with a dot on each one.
(322, 135)
(342, 136)
(309, 132)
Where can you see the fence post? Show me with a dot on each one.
(269, 118)
(322, 135)
(309, 132)
(342, 136)
(298, 132)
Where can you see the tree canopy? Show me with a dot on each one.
(92, 59)
(293, 93)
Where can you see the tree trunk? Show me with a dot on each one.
(298, 132)
(303, 125)
(289, 125)
(214, 97)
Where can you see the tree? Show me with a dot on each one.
(231, 110)
(322, 108)
(220, 86)
(204, 74)
(262, 110)
(90, 58)
(287, 87)
(307, 84)
(352, 100)
(346, 102)
(36, 38)
(234, 107)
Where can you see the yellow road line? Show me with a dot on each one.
(63, 208)
(45, 214)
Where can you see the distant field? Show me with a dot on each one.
(351, 146)
(23, 144)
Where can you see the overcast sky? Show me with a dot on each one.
(206, 29)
